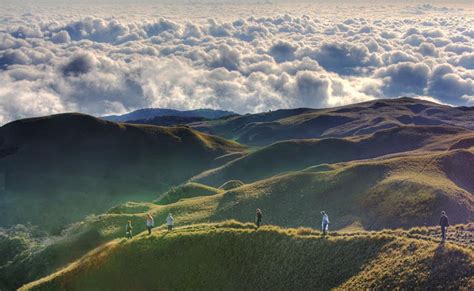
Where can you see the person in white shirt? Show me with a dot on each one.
(325, 222)
(170, 221)
(150, 223)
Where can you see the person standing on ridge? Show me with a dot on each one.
(128, 229)
(170, 221)
(149, 222)
(325, 222)
(444, 223)
(258, 218)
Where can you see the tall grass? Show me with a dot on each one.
(235, 256)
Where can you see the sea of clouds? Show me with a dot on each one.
(246, 58)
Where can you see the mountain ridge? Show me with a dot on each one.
(150, 113)
(349, 120)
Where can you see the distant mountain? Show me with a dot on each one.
(56, 169)
(150, 113)
(169, 120)
(351, 120)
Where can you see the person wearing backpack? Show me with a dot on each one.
(128, 229)
(325, 222)
(258, 217)
(149, 222)
(444, 223)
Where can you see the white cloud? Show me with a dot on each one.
(116, 59)
(404, 78)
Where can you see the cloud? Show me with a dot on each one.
(343, 58)
(79, 64)
(75, 60)
(282, 51)
(404, 78)
(449, 85)
(60, 37)
(466, 61)
(32, 101)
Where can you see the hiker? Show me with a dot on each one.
(128, 229)
(170, 221)
(149, 222)
(258, 218)
(444, 223)
(325, 222)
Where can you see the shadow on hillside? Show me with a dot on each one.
(301, 264)
(449, 265)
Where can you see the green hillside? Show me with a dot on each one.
(399, 191)
(59, 170)
(298, 154)
(54, 170)
(392, 192)
(355, 119)
(231, 184)
(188, 190)
(233, 256)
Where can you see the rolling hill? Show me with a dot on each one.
(218, 256)
(54, 170)
(356, 119)
(383, 175)
(393, 192)
(390, 192)
(294, 155)
(188, 190)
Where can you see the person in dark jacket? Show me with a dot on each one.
(128, 229)
(258, 218)
(444, 223)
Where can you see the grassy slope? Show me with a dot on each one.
(188, 190)
(388, 192)
(298, 154)
(233, 256)
(355, 119)
(231, 184)
(391, 192)
(86, 165)
(394, 192)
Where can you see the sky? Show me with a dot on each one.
(104, 57)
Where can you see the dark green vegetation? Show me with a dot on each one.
(271, 257)
(400, 173)
(356, 119)
(57, 169)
